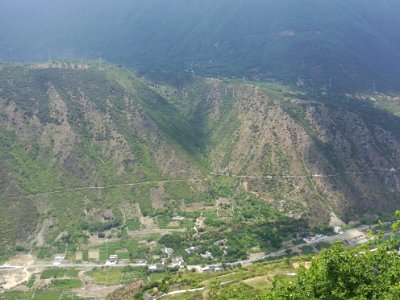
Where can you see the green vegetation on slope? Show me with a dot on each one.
(94, 152)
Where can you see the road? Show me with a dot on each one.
(180, 292)
(64, 265)
(108, 186)
(270, 177)
(355, 236)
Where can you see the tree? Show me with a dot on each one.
(369, 272)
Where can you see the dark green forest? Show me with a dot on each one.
(338, 45)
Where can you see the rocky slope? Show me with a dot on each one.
(311, 154)
(71, 126)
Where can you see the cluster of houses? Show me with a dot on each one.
(213, 268)
(166, 262)
(167, 251)
(178, 262)
(206, 255)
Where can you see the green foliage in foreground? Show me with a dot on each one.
(368, 272)
(343, 274)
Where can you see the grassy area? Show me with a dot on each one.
(184, 191)
(143, 197)
(130, 274)
(110, 248)
(58, 273)
(31, 281)
(106, 276)
(133, 224)
(260, 282)
(65, 284)
(116, 276)
(85, 255)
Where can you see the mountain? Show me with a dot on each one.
(89, 148)
(337, 45)
(74, 126)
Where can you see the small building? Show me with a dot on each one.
(178, 218)
(141, 261)
(221, 242)
(167, 251)
(192, 250)
(206, 255)
(156, 268)
(58, 260)
(213, 268)
(338, 230)
(112, 260)
(177, 262)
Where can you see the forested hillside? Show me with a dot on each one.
(335, 45)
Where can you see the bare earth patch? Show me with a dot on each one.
(79, 255)
(96, 291)
(12, 278)
(197, 206)
(147, 223)
(156, 197)
(21, 260)
(94, 254)
(200, 222)
(305, 264)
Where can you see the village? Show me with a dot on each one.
(108, 275)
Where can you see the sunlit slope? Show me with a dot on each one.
(73, 126)
(87, 146)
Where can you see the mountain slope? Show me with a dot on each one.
(337, 45)
(332, 152)
(91, 149)
(71, 126)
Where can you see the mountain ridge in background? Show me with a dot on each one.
(336, 45)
